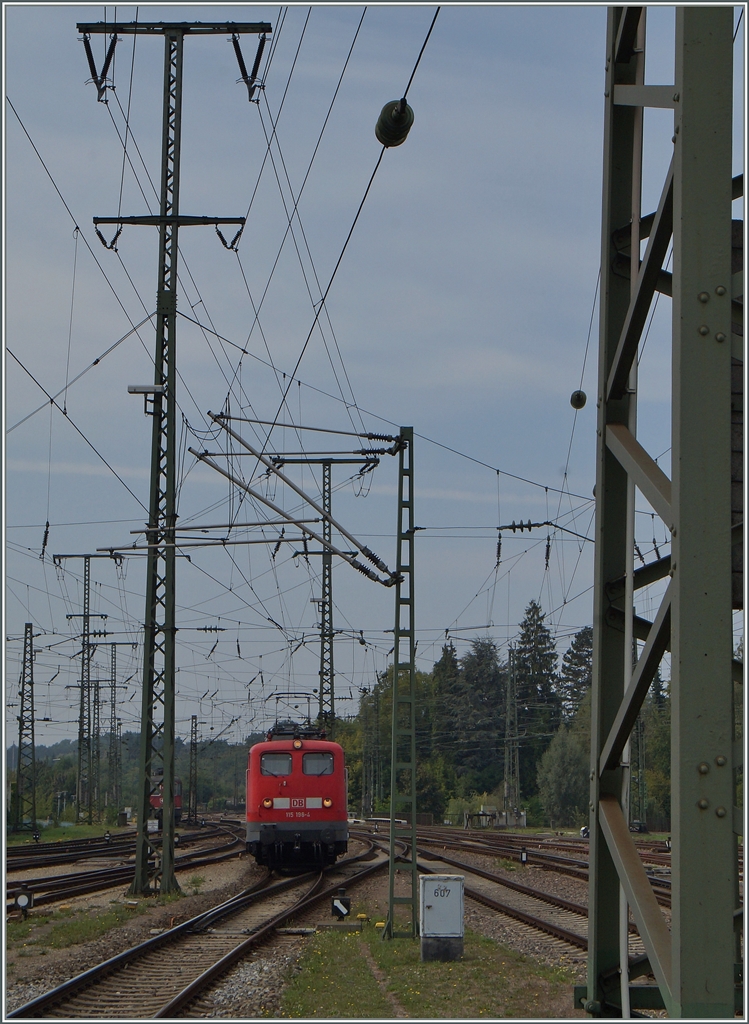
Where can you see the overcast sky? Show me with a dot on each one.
(462, 306)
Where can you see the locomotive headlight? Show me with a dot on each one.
(327, 802)
(267, 802)
(297, 744)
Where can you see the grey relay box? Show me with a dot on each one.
(441, 916)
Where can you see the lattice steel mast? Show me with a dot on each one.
(87, 781)
(403, 749)
(192, 789)
(694, 962)
(113, 760)
(327, 676)
(25, 803)
(84, 789)
(326, 713)
(512, 751)
(157, 710)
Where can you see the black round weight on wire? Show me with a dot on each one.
(393, 124)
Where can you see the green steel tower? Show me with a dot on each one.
(25, 797)
(157, 708)
(403, 750)
(695, 962)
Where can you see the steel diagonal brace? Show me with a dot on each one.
(269, 464)
(643, 675)
(644, 471)
(279, 511)
(647, 279)
(641, 629)
(647, 914)
(627, 35)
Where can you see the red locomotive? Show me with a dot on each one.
(157, 799)
(296, 800)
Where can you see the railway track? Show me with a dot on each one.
(564, 921)
(165, 975)
(53, 888)
(71, 851)
(538, 856)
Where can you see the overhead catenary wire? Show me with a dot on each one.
(290, 216)
(78, 430)
(322, 302)
(233, 359)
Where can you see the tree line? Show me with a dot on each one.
(468, 709)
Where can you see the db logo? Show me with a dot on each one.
(297, 801)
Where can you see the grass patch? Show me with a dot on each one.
(163, 899)
(18, 931)
(196, 883)
(334, 981)
(491, 981)
(86, 927)
(50, 834)
(63, 928)
(508, 865)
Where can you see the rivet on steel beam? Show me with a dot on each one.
(703, 297)
(703, 804)
(704, 768)
(720, 760)
(720, 812)
(704, 330)
(720, 290)
(720, 336)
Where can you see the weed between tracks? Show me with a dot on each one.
(63, 928)
(489, 981)
(55, 833)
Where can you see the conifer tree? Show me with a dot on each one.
(539, 703)
(483, 727)
(577, 672)
(449, 703)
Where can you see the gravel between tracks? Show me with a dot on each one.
(255, 987)
(277, 961)
(32, 970)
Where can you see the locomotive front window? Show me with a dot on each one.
(275, 764)
(317, 763)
